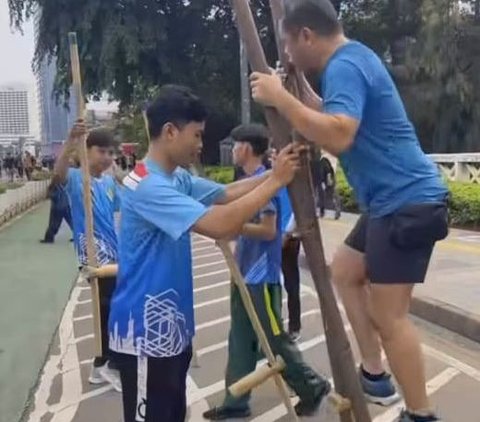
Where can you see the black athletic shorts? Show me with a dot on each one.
(398, 247)
(154, 389)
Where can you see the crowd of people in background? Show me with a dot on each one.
(20, 166)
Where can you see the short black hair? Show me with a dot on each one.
(255, 134)
(318, 15)
(101, 137)
(174, 104)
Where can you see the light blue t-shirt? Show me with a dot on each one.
(386, 166)
(151, 311)
(260, 261)
(105, 202)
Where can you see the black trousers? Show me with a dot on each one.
(154, 389)
(57, 215)
(106, 287)
(291, 275)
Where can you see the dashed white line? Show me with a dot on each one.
(83, 318)
(207, 255)
(84, 302)
(211, 302)
(209, 264)
(202, 248)
(211, 273)
(83, 338)
(211, 286)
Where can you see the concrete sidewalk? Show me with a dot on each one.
(35, 283)
(451, 295)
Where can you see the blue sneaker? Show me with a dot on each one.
(381, 391)
(407, 417)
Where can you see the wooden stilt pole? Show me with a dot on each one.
(87, 193)
(301, 194)
(275, 364)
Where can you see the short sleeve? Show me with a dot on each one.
(345, 89)
(168, 209)
(117, 200)
(206, 191)
(74, 177)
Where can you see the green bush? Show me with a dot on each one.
(219, 174)
(41, 175)
(14, 185)
(3, 188)
(464, 204)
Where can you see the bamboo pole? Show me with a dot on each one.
(87, 192)
(256, 324)
(301, 195)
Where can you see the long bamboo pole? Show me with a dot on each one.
(87, 192)
(301, 194)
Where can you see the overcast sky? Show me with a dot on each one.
(16, 51)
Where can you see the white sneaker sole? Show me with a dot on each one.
(383, 401)
(111, 380)
(96, 381)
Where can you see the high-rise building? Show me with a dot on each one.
(56, 119)
(17, 103)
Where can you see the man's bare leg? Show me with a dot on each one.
(349, 276)
(389, 307)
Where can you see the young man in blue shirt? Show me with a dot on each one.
(105, 202)
(152, 318)
(365, 124)
(259, 256)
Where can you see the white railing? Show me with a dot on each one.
(15, 201)
(459, 167)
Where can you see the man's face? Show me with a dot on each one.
(100, 158)
(240, 153)
(300, 48)
(186, 143)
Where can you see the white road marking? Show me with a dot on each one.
(196, 277)
(433, 385)
(211, 286)
(83, 318)
(83, 338)
(84, 302)
(211, 302)
(202, 242)
(207, 255)
(201, 248)
(210, 264)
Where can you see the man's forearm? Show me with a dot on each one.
(323, 129)
(238, 189)
(62, 164)
(258, 231)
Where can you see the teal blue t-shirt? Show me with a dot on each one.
(152, 307)
(385, 166)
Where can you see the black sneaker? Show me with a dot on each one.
(309, 407)
(47, 241)
(221, 413)
(408, 417)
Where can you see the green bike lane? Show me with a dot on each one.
(35, 282)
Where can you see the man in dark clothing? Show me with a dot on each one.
(9, 165)
(59, 211)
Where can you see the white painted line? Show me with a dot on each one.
(83, 288)
(211, 286)
(67, 357)
(84, 302)
(451, 361)
(207, 255)
(210, 264)
(211, 302)
(62, 407)
(83, 338)
(433, 385)
(202, 242)
(202, 248)
(197, 409)
(212, 348)
(210, 274)
(83, 318)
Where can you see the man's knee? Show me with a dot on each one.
(348, 267)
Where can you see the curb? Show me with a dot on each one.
(455, 319)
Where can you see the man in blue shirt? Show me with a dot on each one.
(259, 257)
(152, 319)
(105, 202)
(365, 124)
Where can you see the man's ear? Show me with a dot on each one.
(169, 130)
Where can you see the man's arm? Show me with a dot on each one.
(237, 189)
(266, 229)
(60, 170)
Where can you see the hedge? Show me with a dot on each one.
(464, 201)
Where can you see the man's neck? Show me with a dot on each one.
(158, 155)
(252, 165)
(95, 173)
(336, 42)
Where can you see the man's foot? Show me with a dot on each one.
(338, 214)
(111, 376)
(46, 241)
(309, 407)
(294, 336)
(95, 377)
(378, 389)
(409, 417)
(222, 413)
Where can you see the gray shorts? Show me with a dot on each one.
(398, 247)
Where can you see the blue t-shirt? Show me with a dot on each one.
(260, 260)
(152, 308)
(105, 202)
(286, 210)
(385, 166)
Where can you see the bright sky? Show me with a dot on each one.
(16, 50)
